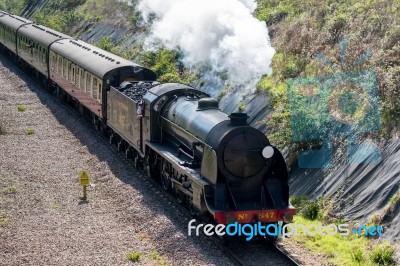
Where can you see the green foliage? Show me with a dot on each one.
(287, 66)
(342, 249)
(4, 219)
(161, 61)
(127, 52)
(222, 93)
(65, 4)
(265, 85)
(392, 36)
(105, 43)
(281, 134)
(310, 209)
(133, 256)
(167, 65)
(136, 18)
(383, 254)
(339, 250)
(13, 6)
(30, 131)
(302, 29)
(335, 26)
(21, 108)
(357, 256)
(394, 199)
(374, 220)
(241, 106)
(154, 255)
(2, 128)
(268, 10)
(58, 20)
(10, 189)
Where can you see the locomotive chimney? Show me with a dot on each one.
(238, 119)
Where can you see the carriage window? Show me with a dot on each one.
(94, 88)
(88, 83)
(100, 91)
(77, 79)
(69, 71)
(51, 61)
(59, 69)
(72, 73)
(83, 80)
(44, 55)
(65, 68)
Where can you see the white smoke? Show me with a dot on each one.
(223, 33)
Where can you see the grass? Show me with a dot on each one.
(10, 189)
(4, 220)
(2, 128)
(30, 131)
(350, 249)
(377, 218)
(154, 255)
(21, 108)
(383, 254)
(241, 106)
(13, 6)
(133, 256)
(366, 25)
(340, 250)
(393, 200)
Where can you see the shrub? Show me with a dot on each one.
(105, 43)
(310, 209)
(336, 25)
(154, 255)
(394, 199)
(265, 85)
(133, 256)
(136, 18)
(357, 256)
(2, 129)
(13, 6)
(4, 220)
(383, 254)
(30, 131)
(10, 189)
(21, 108)
(241, 106)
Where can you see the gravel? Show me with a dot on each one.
(42, 219)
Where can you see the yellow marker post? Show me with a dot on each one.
(84, 180)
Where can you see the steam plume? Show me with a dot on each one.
(223, 33)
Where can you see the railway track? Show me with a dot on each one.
(239, 251)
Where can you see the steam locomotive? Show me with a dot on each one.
(217, 164)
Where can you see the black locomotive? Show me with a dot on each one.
(218, 164)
